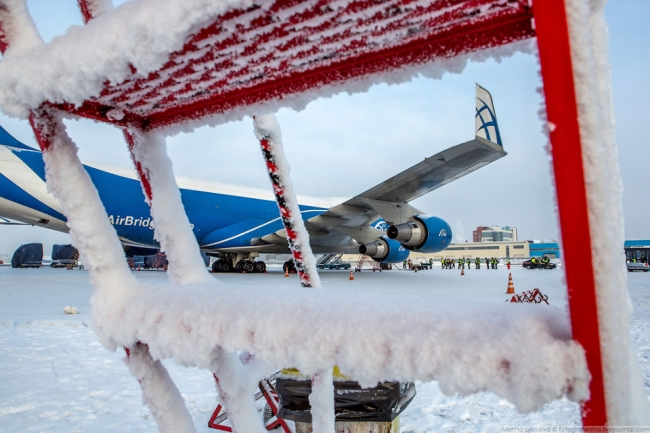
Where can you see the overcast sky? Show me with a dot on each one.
(341, 146)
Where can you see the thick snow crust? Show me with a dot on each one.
(18, 28)
(624, 393)
(138, 33)
(76, 66)
(322, 397)
(526, 356)
(172, 227)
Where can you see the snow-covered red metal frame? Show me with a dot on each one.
(291, 49)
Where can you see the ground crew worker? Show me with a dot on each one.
(477, 263)
(461, 263)
(487, 263)
(404, 264)
(534, 262)
(508, 263)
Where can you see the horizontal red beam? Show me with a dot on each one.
(442, 29)
(457, 41)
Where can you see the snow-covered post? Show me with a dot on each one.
(171, 225)
(236, 382)
(93, 8)
(173, 231)
(18, 32)
(159, 392)
(97, 242)
(267, 131)
(321, 401)
(572, 40)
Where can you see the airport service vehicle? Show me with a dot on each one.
(337, 264)
(236, 223)
(631, 267)
(528, 264)
(419, 265)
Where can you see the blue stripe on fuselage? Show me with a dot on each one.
(34, 160)
(13, 192)
(208, 212)
(8, 140)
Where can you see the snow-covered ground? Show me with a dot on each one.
(55, 376)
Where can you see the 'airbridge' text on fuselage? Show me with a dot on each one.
(133, 221)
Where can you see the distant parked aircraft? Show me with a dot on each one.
(236, 222)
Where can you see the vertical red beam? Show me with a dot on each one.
(285, 212)
(87, 10)
(144, 177)
(4, 39)
(562, 111)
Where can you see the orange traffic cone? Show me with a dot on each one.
(286, 273)
(511, 286)
(514, 299)
(351, 276)
(138, 267)
(462, 271)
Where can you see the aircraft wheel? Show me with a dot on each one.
(226, 266)
(260, 267)
(249, 267)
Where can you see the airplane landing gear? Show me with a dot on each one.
(248, 266)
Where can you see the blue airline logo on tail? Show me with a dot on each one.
(380, 225)
(486, 124)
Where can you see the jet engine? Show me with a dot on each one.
(385, 250)
(424, 233)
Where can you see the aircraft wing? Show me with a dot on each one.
(390, 199)
(7, 222)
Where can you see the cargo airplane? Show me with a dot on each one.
(237, 223)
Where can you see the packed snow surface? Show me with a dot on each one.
(57, 377)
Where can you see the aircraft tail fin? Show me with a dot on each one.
(6, 139)
(486, 117)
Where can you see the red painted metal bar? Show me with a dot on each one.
(45, 127)
(203, 79)
(86, 12)
(456, 41)
(562, 111)
(4, 40)
(144, 177)
(286, 215)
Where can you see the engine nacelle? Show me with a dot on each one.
(425, 234)
(385, 250)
